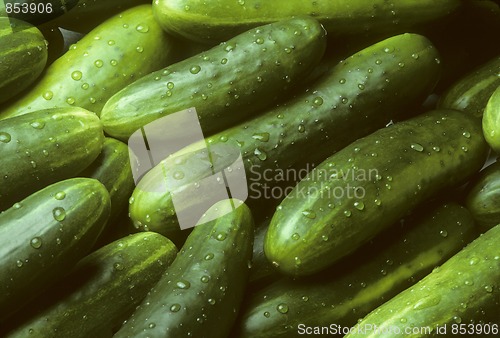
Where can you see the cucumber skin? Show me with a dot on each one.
(491, 120)
(86, 206)
(472, 92)
(404, 177)
(217, 20)
(365, 111)
(230, 82)
(45, 147)
(112, 168)
(88, 14)
(483, 197)
(59, 7)
(104, 288)
(465, 289)
(395, 260)
(105, 81)
(23, 56)
(206, 309)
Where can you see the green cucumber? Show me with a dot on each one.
(44, 147)
(261, 270)
(461, 296)
(23, 56)
(352, 99)
(225, 84)
(395, 260)
(491, 121)
(45, 234)
(112, 168)
(88, 14)
(483, 197)
(100, 292)
(201, 291)
(367, 186)
(218, 20)
(116, 53)
(36, 11)
(472, 92)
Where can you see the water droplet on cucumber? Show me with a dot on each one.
(36, 242)
(59, 214)
(5, 137)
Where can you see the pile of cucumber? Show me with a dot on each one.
(367, 135)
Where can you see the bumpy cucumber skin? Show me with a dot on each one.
(225, 84)
(200, 293)
(465, 289)
(472, 92)
(87, 14)
(23, 56)
(104, 288)
(46, 234)
(217, 20)
(44, 147)
(116, 53)
(491, 121)
(483, 197)
(369, 185)
(45, 10)
(112, 168)
(395, 260)
(353, 99)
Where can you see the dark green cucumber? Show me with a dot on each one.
(112, 168)
(367, 186)
(483, 197)
(225, 84)
(100, 292)
(395, 260)
(36, 11)
(491, 121)
(218, 20)
(44, 147)
(471, 93)
(116, 53)
(88, 14)
(354, 98)
(23, 56)
(45, 234)
(200, 293)
(261, 271)
(460, 297)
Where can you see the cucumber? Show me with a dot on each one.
(491, 121)
(36, 11)
(483, 197)
(46, 234)
(116, 53)
(393, 261)
(367, 186)
(45, 147)
(100, 292)
(218, 20)
(200, 293)
(88, 14)
(112, 168)
(460, 297)
(348, 102)
(225, 84)
(23, 56)
(261, 270)
(472, 92)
